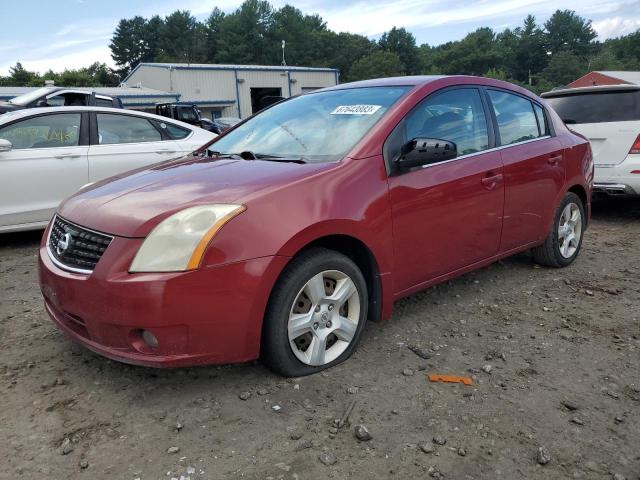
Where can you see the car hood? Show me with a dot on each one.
(132, 204)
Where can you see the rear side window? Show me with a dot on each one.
(542, 119)
(175, 132)
(115, 129)
(597, 107)
(104, 102)
(455, 115)
(45, 131)
(516, 118)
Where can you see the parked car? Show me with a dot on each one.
(46, 154)
(310, 218)
(188, 114)
(225, 123)
(609, 116)
(59, 97)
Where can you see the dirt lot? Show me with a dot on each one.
(544, 336)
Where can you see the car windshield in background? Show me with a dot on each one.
(317, 127)
(597, 107)
(26, 98)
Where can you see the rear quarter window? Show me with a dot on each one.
(599, 107)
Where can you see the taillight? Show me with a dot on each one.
(635, 148)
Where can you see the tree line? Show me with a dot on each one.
(538, 56)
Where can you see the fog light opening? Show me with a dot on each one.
(150, 339)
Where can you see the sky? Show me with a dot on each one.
(43, 34)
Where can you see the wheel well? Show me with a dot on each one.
(364, 259)
(580, 192)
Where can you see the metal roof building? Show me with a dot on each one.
(137, 98)
(606, 78)
(229, 90)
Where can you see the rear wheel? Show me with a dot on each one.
(316, 313)
(563, 244)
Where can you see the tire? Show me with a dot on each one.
(310, 292)
(554, 251)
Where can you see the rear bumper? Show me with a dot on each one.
(618, 179)
(210, 315)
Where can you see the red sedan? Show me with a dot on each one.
(292, 229)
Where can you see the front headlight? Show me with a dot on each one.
(179, 241)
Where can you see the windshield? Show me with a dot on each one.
(317, 127)
(27, 98)
(592, 107)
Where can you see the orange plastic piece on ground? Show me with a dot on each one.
(435, 377)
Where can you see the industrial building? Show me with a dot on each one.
(229, 90)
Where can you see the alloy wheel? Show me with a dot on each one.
(324, 317)
(569, 230)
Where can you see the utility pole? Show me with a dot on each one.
(284, 63)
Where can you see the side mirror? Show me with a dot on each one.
(423, 151)
(5, 145)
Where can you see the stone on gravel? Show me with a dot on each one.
(262, 391)
(421, 352)
(83, 463)
(577, 421)
(362, 433)
(569, 405)
(276, 408)
(352, 390)
(462, 452)
(487, 369)
(438, 440)
(304, 444)
(407, 372)
(173, 449)
(618, 476)
(427, 448)
(244, 396)
(543, 456)
(327, 458)
(66, 447)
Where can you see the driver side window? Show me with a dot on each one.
(455, 115)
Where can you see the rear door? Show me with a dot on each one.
(533, 167)
(47, 163)
(122, 142)
(609, 119)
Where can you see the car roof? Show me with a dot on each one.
(591, 89)
(29, 112)
(411, 81)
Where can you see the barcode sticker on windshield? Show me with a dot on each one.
(356, 109)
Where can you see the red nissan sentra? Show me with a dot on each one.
(292, 229)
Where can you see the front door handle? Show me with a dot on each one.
(165, 150)
(554, 159)
(490, 180)
(68, 155)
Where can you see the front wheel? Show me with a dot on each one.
(316, 313)
(562, 245)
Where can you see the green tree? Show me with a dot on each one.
(376, 65)
(301, 34)
(212, 33)
(563, 68)
(473, 55)
(246, 34)
(566, 30)
(130, 43)
(20, 76)
(403, 44)
(181, 39)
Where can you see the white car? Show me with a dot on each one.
(46, 154)
(609, 116)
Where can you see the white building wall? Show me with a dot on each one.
(227, 91)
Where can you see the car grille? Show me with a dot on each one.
(75, 248)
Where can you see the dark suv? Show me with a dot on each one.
(59, 97)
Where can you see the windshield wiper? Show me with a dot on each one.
(249, 155)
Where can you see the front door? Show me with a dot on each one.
(447, 215)
(47, 163)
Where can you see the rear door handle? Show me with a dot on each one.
(68, 155)
(490, 180)
(554, 159)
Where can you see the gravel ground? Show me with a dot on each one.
(555, 355)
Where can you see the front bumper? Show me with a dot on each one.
(618, 179)
(205, 316)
